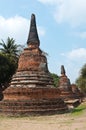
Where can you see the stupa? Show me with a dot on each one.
(64, 81)
(31, 90)
(77, 92)
(70, 98)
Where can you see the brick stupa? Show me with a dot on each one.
(64, 81)
(31, 90)
(65, 86)
(77, 91)
(70, 98)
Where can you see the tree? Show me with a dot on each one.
(83, 71)
(7, 69)
(9, 55)
(55, 79)
(81, 81)
(10, 48)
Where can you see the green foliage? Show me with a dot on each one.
(81, 81)
(83, 71)
(55, 79)
(7, 68)
(9, 55)
(79, 110)
(9, 47)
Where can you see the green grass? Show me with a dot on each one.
(79, 110)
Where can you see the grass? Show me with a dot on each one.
(79, 110)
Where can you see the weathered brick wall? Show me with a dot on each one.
(31, 60)
(64, 81)
(31, 93)
(26, 101)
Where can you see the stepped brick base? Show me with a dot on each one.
(67, 95)
(72, 100)
(27, 101)
(31, 79)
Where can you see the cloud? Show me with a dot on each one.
(72, 12)
(73, 61)
(82, 35)
(76, 54)
(17, 27)
(48, 1)
(41, 31)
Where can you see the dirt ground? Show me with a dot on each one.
(55, 122)
(52, 122)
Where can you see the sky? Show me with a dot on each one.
(61, 27)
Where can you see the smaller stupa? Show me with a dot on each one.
(64, 81)
(77, 92)
(65, 85)
(67, 93)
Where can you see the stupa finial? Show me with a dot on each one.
(62, 70)
(33, 34)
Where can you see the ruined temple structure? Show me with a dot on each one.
(31, 90)
(64, 81)
(67, 91)
(77, 91)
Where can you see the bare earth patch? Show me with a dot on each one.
(52, 122)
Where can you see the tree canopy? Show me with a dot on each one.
(81, 81)
(9, 47)
(9, 55)
(55, 79)
(7, 68)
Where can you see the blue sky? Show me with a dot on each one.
(61, 26)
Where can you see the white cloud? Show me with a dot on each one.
(70, 11)
(16, 27)
(82, 35)
(76, 54)
(41, 31)
(48, 1)
(73, 61)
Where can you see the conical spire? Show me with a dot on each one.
(62, 70)
(33, 34)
